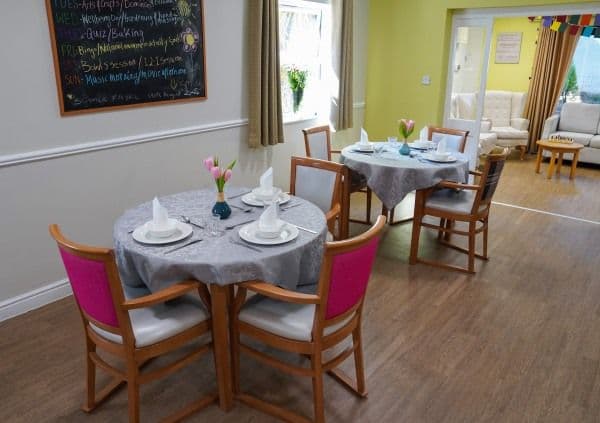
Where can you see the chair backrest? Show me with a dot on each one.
(318, 181)
(490, 176)
(317, 141)
(94, 279)
(346, 270)
(455, 138)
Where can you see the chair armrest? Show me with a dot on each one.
(161, 296)
(332, 214)
(520, 123)
(550, 126)
(456, 185)
(275, 292)
(336, 151)
(475, 172)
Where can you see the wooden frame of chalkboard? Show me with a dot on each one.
(117, 54)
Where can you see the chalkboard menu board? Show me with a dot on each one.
(123, 53)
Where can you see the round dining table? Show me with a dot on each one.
(220, 261)
(391, 176)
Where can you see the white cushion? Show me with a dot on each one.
(579, 137)
(318, 145)
(452, 141)
(315, 185)
(292, 321)
(517, 104)
(508, 132)
(460, 202)
(497, 107)
(595, 141)
(159, 322)
(579, 117)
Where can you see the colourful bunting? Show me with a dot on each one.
(574, 29)
(555, 26)
(585, 20)
(597, 32)
(587, 31)
(546, 21)
(574, 19)
(561, 18)
(597, 20)
(563, 27)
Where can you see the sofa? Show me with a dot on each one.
(502, 123)
(581, 123)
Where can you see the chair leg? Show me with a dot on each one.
(369, 199)
(414, 243)
(235, 355)
(441, 233)
(133, 391)
(359, 362)
(471, 266)
(317, 381)
(485, 238)
(449, 225)
(91, 377)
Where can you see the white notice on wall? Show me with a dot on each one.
(508, 47)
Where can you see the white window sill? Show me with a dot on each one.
(291, 119)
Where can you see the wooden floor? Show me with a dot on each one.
(517, 342)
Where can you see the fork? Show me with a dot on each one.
(244, 209)
(243, 244)
(238, 224)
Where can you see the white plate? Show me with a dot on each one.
(418, 146)
(363, 148)
(251, 200)
(427, 156)
(141, 234)
(249, 233)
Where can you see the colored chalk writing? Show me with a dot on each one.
(120, 53)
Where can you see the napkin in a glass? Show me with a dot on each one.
(266, 181)
(364, 138)
(423, 134)
(160, 215)
(442, 146)
(269, 221)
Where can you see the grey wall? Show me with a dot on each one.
(86, 192)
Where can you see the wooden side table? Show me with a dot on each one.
(557, 150)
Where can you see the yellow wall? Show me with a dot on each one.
(409, 39)
(513, 76)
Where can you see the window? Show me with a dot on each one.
(304, 47)
(583, 80)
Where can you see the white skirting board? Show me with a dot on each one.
(34, 299)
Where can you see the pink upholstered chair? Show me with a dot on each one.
(309, 324)
(134, 329)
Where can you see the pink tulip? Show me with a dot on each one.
(410, 125)
(216, 172)
(209, 163)
(227, 175)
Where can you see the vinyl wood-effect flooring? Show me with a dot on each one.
(517, 342)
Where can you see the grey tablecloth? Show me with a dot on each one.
(391, 176)
(217, 260)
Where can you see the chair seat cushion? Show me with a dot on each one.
(508, 132)
(450, 200)
(292, 321)
(159, 322)
(595, 141)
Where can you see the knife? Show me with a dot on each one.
(179, 247)
(306, 229)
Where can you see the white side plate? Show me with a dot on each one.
(141, 234)
(249, 233)
(427, 156)
(251, 200)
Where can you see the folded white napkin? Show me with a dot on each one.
(269, 219)
(160, 216)
(441, 147)
(266, 181)
(364, 138)
(423, 134)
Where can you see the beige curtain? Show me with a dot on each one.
(553, 57)
(265, 121)
(342, 99)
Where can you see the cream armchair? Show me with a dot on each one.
(502, 123)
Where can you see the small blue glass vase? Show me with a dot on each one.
(405, 149)
(221, 208)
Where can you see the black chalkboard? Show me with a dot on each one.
(124, 53)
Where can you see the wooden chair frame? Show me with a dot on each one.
(477, 219)
(335, 212)
(430, 131)
(313, 350)
(364, 189)
(134, 357)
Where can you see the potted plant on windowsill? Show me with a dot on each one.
(297, 79)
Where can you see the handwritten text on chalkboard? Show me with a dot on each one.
(117, 53)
